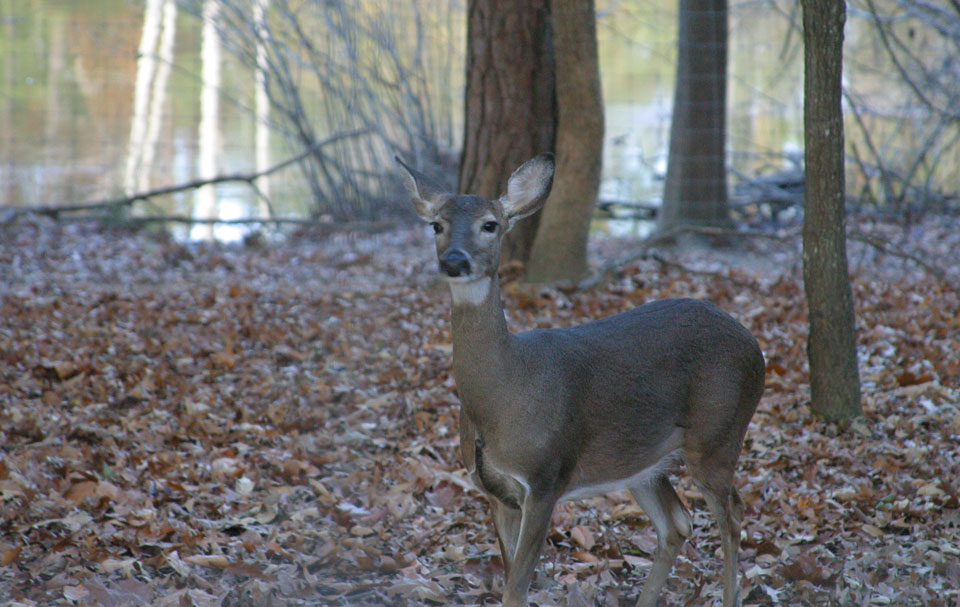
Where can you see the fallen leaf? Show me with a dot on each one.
(62, 369)
(10, 555)
(82, 490)
(908, 378)
(585, 557)
(583, 536)
(204, 560)
(75, 593)
(930, 490)
(225, 358)
(806, 568)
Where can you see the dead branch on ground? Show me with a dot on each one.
(646, 251)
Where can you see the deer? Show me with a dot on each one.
(567, 413)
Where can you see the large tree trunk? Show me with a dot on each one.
(510, 112)
(695, 192)
(832, 344)
(560, 248)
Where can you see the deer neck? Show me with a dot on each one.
(483, 348)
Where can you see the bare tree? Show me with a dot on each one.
(910, 138)
(389, 71)
(832, 344)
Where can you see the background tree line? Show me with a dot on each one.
(532, 84)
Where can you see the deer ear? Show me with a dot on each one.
(527, 189)
(427, 195)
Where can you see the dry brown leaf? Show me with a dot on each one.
(81, 490)
(225, 358)
(10, 556)
(583, 536)
(208, 560)
(62, 369)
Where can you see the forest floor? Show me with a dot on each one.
(275, 424)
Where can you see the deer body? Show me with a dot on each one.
(568, 413)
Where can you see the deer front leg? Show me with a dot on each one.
(534, 522)
(507, 520)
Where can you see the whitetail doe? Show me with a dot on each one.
(570, 413)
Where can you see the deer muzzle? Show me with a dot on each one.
(455, 263)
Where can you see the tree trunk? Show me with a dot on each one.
(158, 95)
(560, 248)
(510, 113)
(207, 205)
(262, 102)
(832, 344)
(146, 66)
(695, 192)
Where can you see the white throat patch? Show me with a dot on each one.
(472, 293)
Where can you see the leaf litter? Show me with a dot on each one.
(276, 424)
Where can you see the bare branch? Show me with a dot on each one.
(646, 251)
(895, 251)
(888, 39)
(248, 178)
(315, 226)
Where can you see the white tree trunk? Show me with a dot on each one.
(146, 65)
(158, 95)
(206, 200)
(262, 108)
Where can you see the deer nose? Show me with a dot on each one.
(455, 263)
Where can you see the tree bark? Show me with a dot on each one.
(695, 192)
(832, 345)
(510, 113)
(560, 247)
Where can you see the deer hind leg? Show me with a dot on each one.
(727, 509)
(672, 524)
(716, 483)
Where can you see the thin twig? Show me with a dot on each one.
(868, 140)
(895, 251)
(726, 233)
(885, 37)
(716, 275)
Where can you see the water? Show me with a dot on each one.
(68, 73)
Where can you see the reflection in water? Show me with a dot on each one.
(146, 66)
(158, 95)
(86, 113)
(262, 112)
(209, 134)
(128, 120)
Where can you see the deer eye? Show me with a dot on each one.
(490, 226)
(437, 228)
